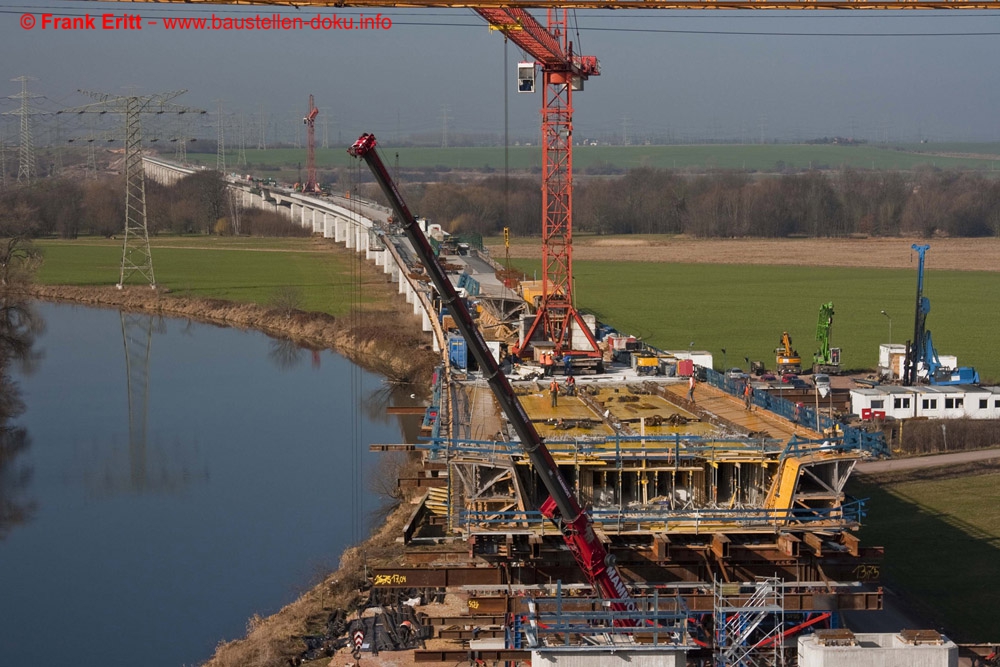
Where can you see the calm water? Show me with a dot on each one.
(240, 485)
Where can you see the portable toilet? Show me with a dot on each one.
(458, 355)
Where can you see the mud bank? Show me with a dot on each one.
(379, 340)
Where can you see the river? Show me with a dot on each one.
(213, 476)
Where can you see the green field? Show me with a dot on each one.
(768, 157)
(942, 546)
(744, 309)
(243, 270)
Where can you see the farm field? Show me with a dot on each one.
(241, 270)
(745, 308)
(766, 157)
(942, 542)
(740, 307)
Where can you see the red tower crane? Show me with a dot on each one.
(310, 120)
(562, 73)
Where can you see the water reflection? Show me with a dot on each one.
(142, 467)
(19, 326)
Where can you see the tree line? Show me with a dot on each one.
(731, 204)
(197, 204)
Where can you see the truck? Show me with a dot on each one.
(561, 507)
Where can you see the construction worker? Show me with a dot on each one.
(570, 386)
(547, 362)
(691, 383)
(748, 395)
(554, 391)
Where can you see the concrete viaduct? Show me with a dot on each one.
(359, 225)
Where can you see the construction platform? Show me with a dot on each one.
(685, 495)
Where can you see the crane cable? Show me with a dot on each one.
(356, 373)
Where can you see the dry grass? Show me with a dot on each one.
(386, 342)
(964, 254)
(275, 641)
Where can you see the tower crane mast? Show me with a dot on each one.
(311, 184)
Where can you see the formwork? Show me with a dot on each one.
(684, 495)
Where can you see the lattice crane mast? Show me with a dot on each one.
(562, 73)
(311, 185)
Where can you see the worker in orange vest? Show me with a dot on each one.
(554, 391)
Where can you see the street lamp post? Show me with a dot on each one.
(725, 366)
(890, 326)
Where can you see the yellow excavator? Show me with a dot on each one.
(786, 359)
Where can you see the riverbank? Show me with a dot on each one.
(388, 342)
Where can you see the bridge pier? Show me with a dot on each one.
(337, 221)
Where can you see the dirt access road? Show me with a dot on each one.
(937, 460)
(889, 253)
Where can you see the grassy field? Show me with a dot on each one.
(243, 270)
(942, 546)
(744, 309)
(769, 157)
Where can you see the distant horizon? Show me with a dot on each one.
(666, 76)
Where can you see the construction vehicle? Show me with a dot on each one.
(561, 507)
(827, 359)
(922, 359)
(786, 359)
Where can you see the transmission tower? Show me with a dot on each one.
(180, 150)
(241, 156)
(444, 125)
(220, 142)
(136, 257)
(26, 169)
(326, 127)
(262, 127)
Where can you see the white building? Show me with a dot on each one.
(931, 402)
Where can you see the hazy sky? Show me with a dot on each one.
(687, 79)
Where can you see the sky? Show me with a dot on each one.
(681, 75)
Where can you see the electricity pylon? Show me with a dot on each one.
(220, 142)
(26, 154)
(136, 257)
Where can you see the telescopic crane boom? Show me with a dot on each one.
(561, 507)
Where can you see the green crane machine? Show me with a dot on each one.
(827, 359)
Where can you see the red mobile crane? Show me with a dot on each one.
(310, 120)
(561, 507)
